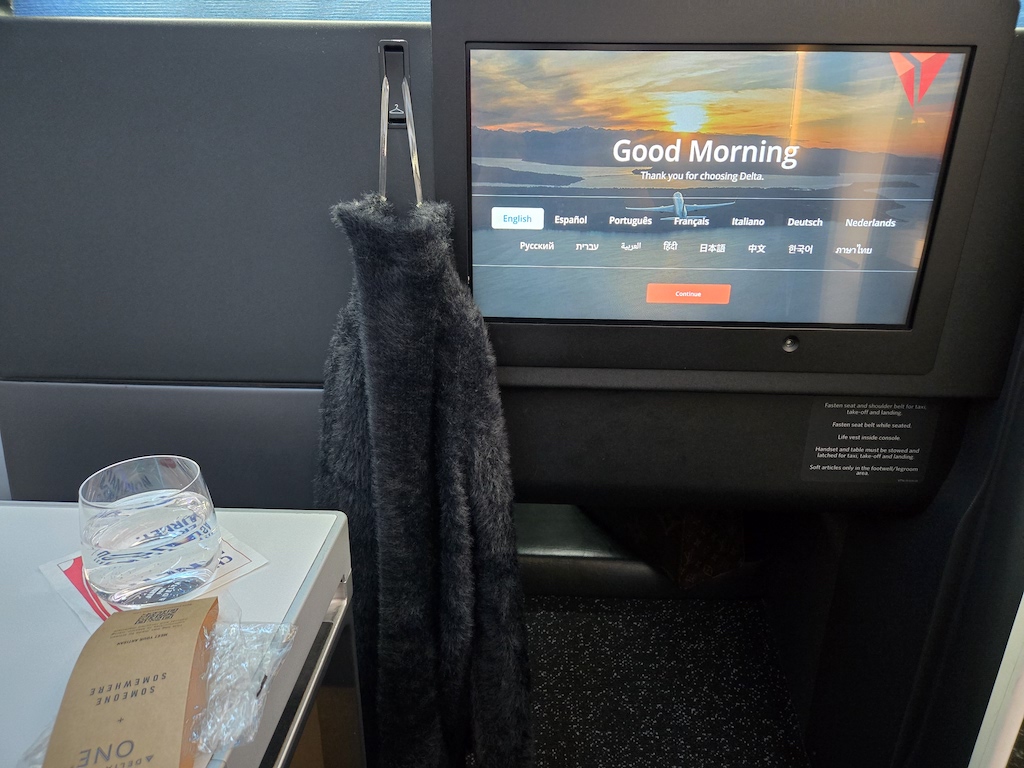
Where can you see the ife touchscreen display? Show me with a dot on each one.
(755, 187)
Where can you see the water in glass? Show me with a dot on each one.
(151, 546)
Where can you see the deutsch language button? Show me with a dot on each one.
(688, 293)
(517, 218)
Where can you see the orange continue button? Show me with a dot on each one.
(687, 293)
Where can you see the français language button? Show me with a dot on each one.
(688, 293)
(517, 218)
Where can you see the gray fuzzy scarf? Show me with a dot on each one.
(413, 449)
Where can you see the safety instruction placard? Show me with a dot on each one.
(875, 440)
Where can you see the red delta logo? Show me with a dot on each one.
(917, 69)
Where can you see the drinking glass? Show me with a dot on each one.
(149, 532)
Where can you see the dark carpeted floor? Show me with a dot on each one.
(658, 684)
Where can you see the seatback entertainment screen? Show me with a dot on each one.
(755, 187)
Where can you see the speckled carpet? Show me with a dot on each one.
(658, 684)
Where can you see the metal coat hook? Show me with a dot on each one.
(385, 113)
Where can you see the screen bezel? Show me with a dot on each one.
(741, 347)
(497, 321)
(970, 297)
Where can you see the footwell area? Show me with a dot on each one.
(658, 684)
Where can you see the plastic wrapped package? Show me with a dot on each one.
(243, 658)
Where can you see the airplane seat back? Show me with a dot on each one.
(171, 275)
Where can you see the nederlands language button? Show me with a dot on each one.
(864, 223)
(517, 218)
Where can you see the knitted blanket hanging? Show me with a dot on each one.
(413, 449)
